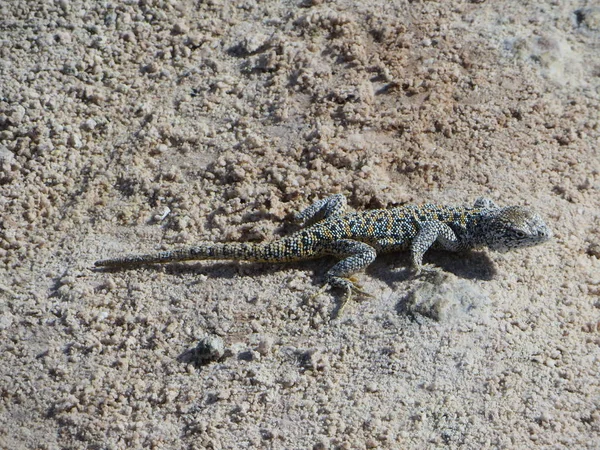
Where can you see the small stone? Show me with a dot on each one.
(593, 247)
(152, 67)
(195, 40)
(589, 17)
(6, 155)
(89, 125)
(6, 320)
(162, 214)
(210, 348)
(254, 42)
(180, 28)
(372, 387)
(128, 36)
(74, 140)
(18, 115)
(265, 345)
(63, 37)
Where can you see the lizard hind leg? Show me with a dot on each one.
(356, 257)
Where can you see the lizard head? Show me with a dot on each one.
(515, 227)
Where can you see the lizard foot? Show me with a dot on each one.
(424, 270)
(357, 288)
(350, 286)
(428, 273)
(318, 293)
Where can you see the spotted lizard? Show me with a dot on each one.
(356, 238)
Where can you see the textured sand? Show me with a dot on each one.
(137, 126)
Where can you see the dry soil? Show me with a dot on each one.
(133, 126)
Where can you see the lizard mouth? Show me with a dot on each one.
(500, 248)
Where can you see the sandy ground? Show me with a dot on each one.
(142, 125)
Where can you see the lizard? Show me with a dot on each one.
(356, 238)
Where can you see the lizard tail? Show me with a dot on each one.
(277, 251)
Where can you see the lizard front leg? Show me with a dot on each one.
(429, 233)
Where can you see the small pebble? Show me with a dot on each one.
(265, 345)
(6, 155)
(180, 28)
(74, 140)
(210, 348)
(89, 125)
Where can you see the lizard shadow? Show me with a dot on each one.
(234, 269)
(471, 265)
(222, 270)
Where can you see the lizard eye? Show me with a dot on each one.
(520, 234)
